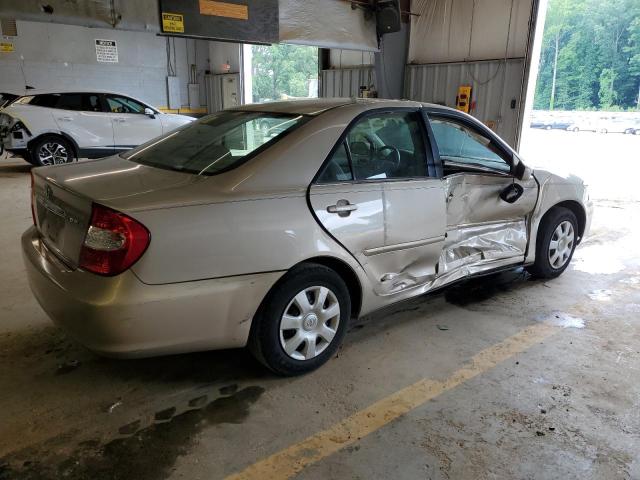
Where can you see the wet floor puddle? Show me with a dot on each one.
(562, 319)
(147, 453)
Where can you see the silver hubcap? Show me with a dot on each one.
(52, 153)
(309, 323)
(561, 245)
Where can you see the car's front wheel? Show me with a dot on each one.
(557, 240)
(52, 150)
(302, 322)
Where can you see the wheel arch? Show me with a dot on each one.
(343, 269)
(348, 275)
(577, 209)
(76, 148)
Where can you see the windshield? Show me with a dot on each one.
(215, 143)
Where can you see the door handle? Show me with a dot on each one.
(120, 120)
(65, 119)
(342, 207)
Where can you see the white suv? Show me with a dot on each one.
(47, 128)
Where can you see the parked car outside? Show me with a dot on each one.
(47, 128)
(217, 236)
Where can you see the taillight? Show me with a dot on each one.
(33, 200)
(114, 241)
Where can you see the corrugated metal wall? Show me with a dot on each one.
(346, 82)
(466, 30)
(497, 90)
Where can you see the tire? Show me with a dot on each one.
(52, 150)
(547, 263)
(547, 127)
(267, 339)
(575, 129)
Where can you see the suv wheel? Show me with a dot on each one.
(52, 150)
(302, 322)
(557, 235)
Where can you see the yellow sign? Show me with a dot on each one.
(463, 100)
(6, 47)
(224, 9)
(172, 22)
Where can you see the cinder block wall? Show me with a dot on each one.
(51, 56)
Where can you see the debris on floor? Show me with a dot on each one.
(67, 367)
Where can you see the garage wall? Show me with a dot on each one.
(49, 56)
(496, 90)
(468, 30)
(346, 82)
(482, 43)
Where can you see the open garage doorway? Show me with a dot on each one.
(279, 72)
(584, 103)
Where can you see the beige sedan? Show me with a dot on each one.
(273, 225)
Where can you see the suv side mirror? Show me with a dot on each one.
(149, 113)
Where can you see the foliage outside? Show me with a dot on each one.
(592, 50)
(281, 71)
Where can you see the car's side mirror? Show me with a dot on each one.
(520, 170)
(149, 113)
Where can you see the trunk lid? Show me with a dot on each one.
(64, 194)
(62, 217)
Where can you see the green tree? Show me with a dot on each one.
(607, 94)
(282, 70)
(590, 55)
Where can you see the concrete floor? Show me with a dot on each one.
(507, 378)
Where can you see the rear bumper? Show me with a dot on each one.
(123, 317)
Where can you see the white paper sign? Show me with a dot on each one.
(106, 51)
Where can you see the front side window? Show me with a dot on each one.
(461, 147)
(119, 104)
(215, 143)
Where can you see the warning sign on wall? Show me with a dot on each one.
(106, 51)
(6, 47)
(172, 22)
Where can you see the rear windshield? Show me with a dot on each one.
(215, 143)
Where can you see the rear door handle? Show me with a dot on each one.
(120, 120)
(342, 207)
(65, 119)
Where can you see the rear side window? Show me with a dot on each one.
(89, 102)
(338, 168)
(380, 146)
(215, 143)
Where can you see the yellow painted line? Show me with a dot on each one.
(183, 110)
(292, 460)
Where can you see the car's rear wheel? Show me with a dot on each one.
(52, 150)
(302, 322)
(557, 240)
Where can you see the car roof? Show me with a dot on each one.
(60, 91)
(316, 106)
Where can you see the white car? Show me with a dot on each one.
(48, 128)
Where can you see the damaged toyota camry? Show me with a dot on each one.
(226, 233)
